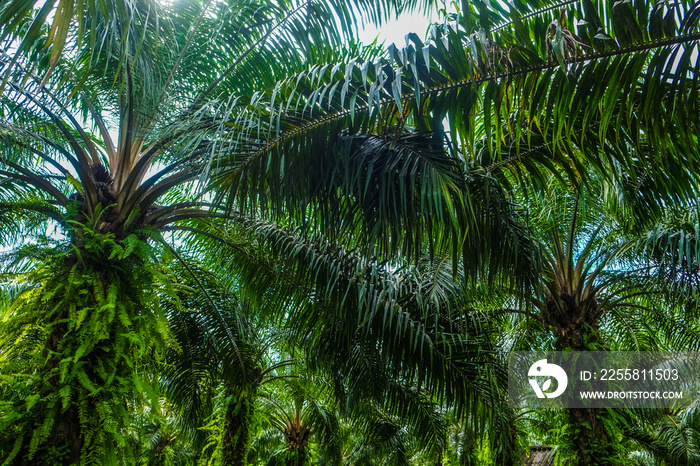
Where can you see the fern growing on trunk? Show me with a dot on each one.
(73, 347)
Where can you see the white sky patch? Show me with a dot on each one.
(395, 31)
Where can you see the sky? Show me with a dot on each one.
(396, 30)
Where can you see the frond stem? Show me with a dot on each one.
(465, 83)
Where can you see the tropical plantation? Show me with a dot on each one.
(232, 233)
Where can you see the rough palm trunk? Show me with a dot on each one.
(236, 437)
(297, 437)
(94, 308)
(579, 330)
(67, 431)
(67, 428)
(505, 449)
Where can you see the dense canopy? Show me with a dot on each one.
(234, 234)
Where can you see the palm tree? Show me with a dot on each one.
(297, 410)
(669, 438)
(602, 288)
(364, 327)
(112, 196)
(219, 357)
(526, 90)
(212, 373)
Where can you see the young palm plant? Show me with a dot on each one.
(669, 438)
(303, 412)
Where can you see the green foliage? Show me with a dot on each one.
(304, 414)
(541, 153)
(604, 444)
(228, 428)
(75, 348)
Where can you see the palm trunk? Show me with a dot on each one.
(591, 439)
(505, 449)
(588, 435)
(237, 429)
(67, 428)
(90, 304)
(297, 438)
